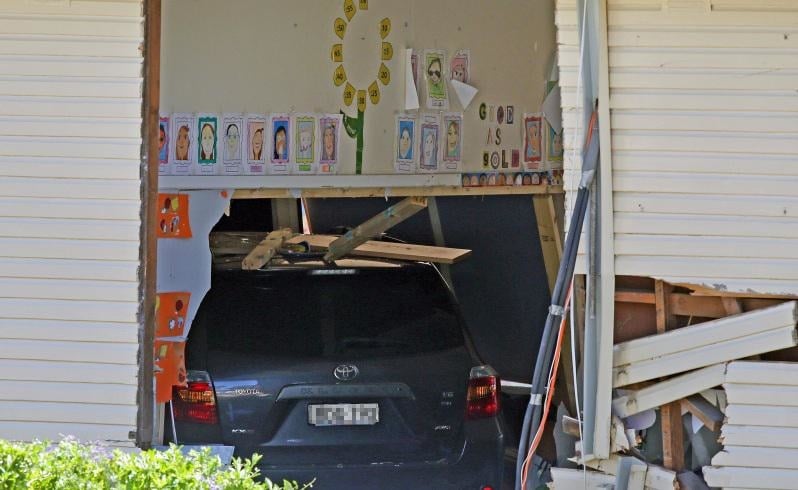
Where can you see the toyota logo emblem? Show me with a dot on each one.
(346, 372)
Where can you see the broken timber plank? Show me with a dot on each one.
(389, 250)
(707, 413)
(694, 358)
(265, 250)
(374, 227)
(669, 391)
(705, 334)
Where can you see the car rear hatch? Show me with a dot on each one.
(351, 366)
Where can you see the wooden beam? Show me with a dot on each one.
(328, 192)
(731, 305)
(707, 413)
(766, 373)
(670, 413)
(374, 226)
(266, 249)
(147, 433)
(390, 250)
(549, 236)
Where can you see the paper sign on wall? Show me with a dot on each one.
(182, 143)
(173, 216)
(256, 144)
(428, 146)
(306, 148)
(163, 146)
(280, 132)
(170, 368)
(533, 149)
(435, 76)
(207, 151)
(404, 161)
(232, 144)
(330, 131)
(170, 314)
(452, 141)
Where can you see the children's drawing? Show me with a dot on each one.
(207, 154)
(163, 145)
(181, 141)
(460, 68)
(532, 140)
(305, 143)
(280, 139)
(453, 131)
(434, 63)
(554, 150)
(255, 137)
(232, 143)
(330, 130)
(429, 150)
(405, 141)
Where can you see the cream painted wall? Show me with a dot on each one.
(274, 56)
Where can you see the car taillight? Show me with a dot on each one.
(196, 401)
(483, 393)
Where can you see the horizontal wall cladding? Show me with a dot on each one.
(704, 117)
(70, 146)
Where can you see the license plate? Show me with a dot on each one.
(344, 414)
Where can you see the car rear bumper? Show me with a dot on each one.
(480, 465)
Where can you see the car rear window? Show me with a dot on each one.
(328, 313)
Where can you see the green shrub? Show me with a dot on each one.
(70, 465)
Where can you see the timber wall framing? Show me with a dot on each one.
(704, 121)
(70, 158)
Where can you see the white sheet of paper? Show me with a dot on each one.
(465, 93)
(552, 110)
(411, 94)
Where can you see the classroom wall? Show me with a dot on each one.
(274, 56)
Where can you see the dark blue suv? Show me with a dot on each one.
(359, 377)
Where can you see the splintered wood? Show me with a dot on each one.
(265, 250)
(374, 227)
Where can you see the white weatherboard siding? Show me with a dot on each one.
(704, 118)
(70, 143)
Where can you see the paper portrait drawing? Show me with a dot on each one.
(231, 143)
(280, 139)
(453, 140)
(305, 143)
(532, 140)
(206, 128)
(163, 140)
(429, 147)
(554, 149)
(330, 134)
(181, 143)
(305, 139)
(255, 143)
(460, 66)
(405, 143)
(434, 63)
